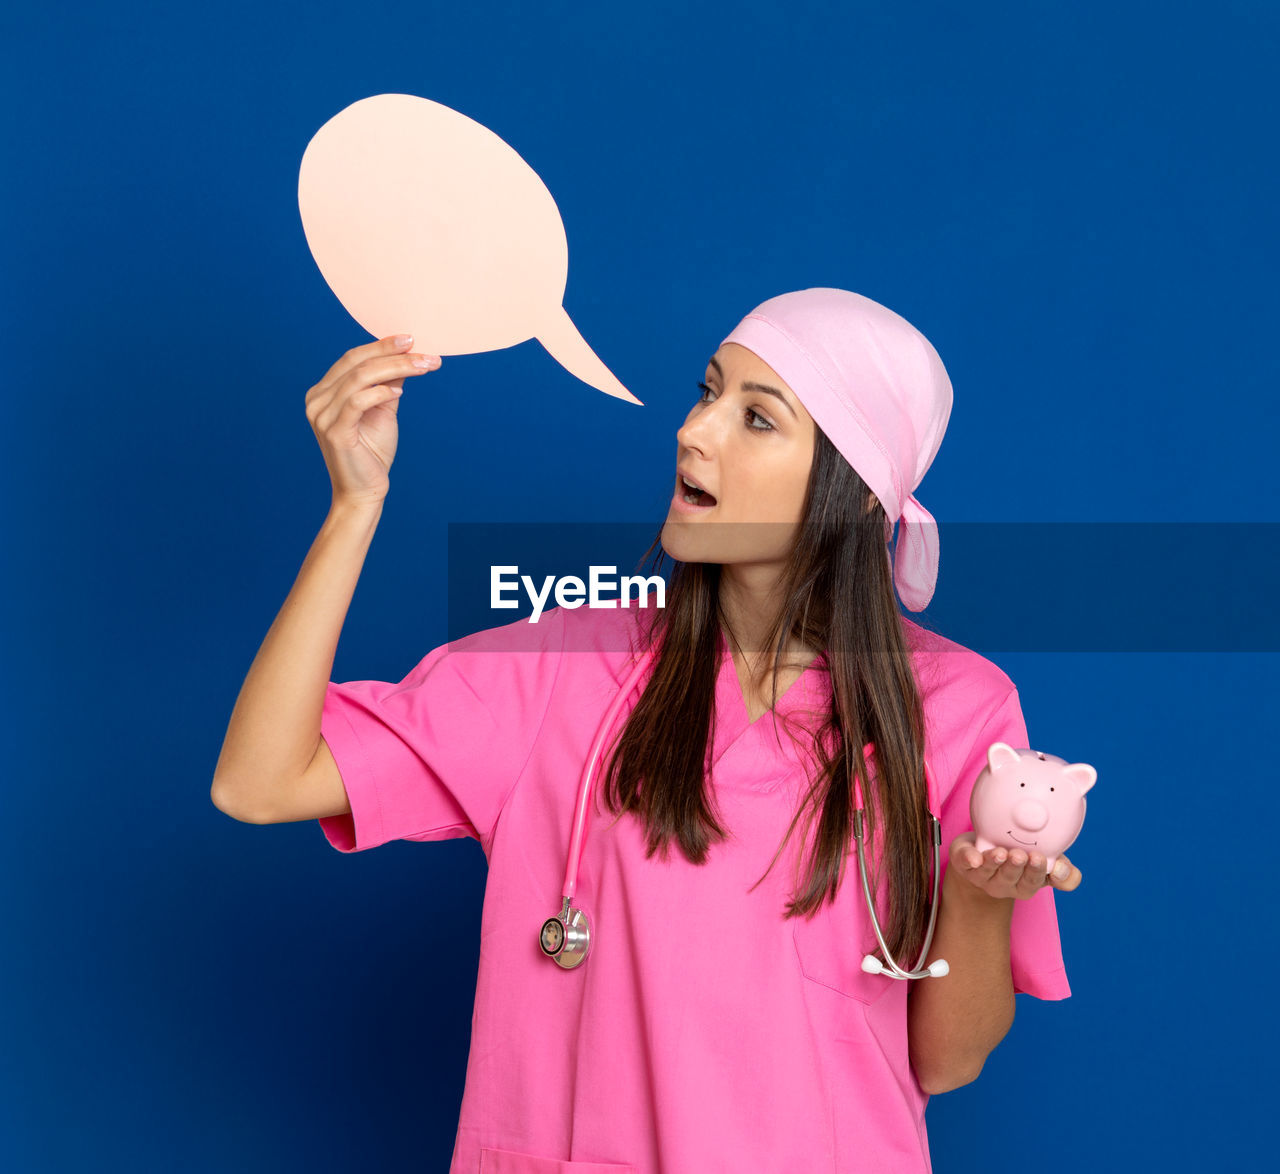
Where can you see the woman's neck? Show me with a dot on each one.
(749, 602)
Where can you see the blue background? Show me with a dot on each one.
(1074, 201)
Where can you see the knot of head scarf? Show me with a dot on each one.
(878, 390)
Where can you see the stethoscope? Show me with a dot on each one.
(566, 938)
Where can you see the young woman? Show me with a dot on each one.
(723, 1019)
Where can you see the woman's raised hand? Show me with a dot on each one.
(352, 411)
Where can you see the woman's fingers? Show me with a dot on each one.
(976, 864)
(1017, 873)
(341, 418)
(1010, 872)
(322, 392)
(1035, 875)
(357, 355)
(353, 412)
(1011, 867)
(1065, 876)
(326, 402)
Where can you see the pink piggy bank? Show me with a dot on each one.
(1028, 800)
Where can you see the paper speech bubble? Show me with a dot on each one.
(424, 222)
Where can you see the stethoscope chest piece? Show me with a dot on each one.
(566, 937)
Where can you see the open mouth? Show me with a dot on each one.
(693, 494)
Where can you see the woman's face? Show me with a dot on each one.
(749, 443)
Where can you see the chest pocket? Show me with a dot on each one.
(830, 946)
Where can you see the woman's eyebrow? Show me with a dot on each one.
(773, 391)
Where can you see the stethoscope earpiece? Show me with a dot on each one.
(936, 969)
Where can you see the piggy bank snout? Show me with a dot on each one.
(1030, 814)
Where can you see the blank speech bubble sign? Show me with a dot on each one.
(424, 222)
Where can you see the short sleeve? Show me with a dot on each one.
(435, 756)
(1035, 949)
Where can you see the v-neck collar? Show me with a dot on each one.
(733, 723)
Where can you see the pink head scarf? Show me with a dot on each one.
(878, 390)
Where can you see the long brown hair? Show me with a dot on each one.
(837, 597)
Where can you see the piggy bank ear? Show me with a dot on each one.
(1082, 774)
(1001, 754)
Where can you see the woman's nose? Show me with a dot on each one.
(699, 430)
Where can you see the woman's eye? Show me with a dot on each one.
(767, 427)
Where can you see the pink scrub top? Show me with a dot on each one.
(705, 1031)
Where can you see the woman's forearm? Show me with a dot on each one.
(275, 725)
(955, 1021)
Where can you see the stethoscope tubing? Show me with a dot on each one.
(584, 786)
(891, 969)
